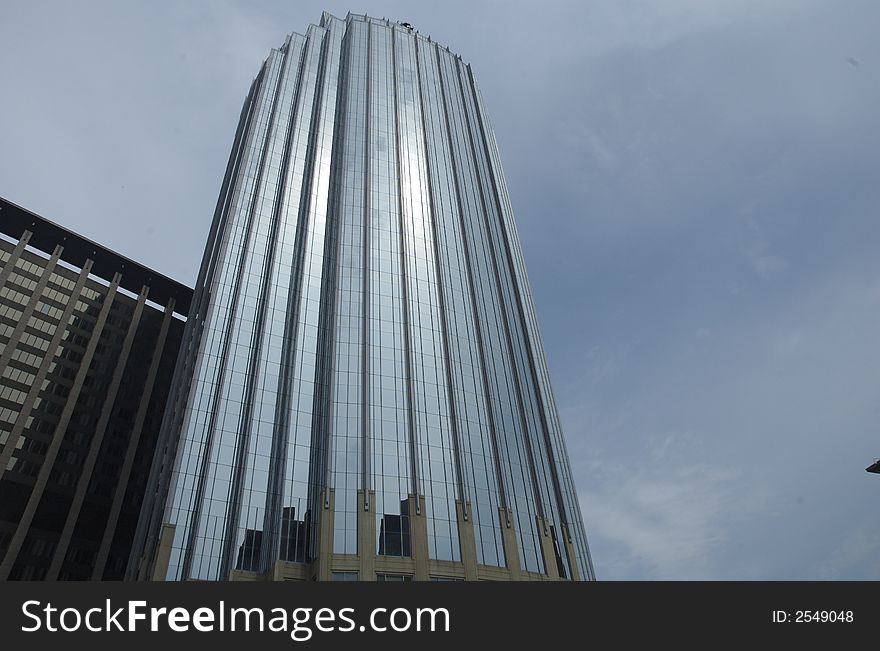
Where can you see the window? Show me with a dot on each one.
(344, 576)
(393, 577)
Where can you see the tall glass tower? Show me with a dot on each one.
(362, 392)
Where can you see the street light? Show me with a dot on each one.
(874, 467)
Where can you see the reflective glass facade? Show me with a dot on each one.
(363, 374)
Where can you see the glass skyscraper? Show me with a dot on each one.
(362, 392)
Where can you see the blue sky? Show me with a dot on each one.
(696, 184)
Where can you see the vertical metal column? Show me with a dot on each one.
(37, 384)
(508, 537)
(366, 533)
(88, 467)
(418, 528)
(13, 259)
(324, 554)
(28, 311)
(569, 550)
(467, 540)
(137, 430)
(60, 430)
(548, 549)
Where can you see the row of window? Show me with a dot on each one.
(384, 576)
(13, 395)
(22, 281)
(20, 299)
(10, 416)
(18, 375)
(29, 267)
(27, 358)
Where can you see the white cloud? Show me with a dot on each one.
(773, 421)
(661, 513)
(856, 555)
(759, 255)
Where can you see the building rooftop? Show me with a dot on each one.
(14, 220)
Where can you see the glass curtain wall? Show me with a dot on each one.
(363, 326)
